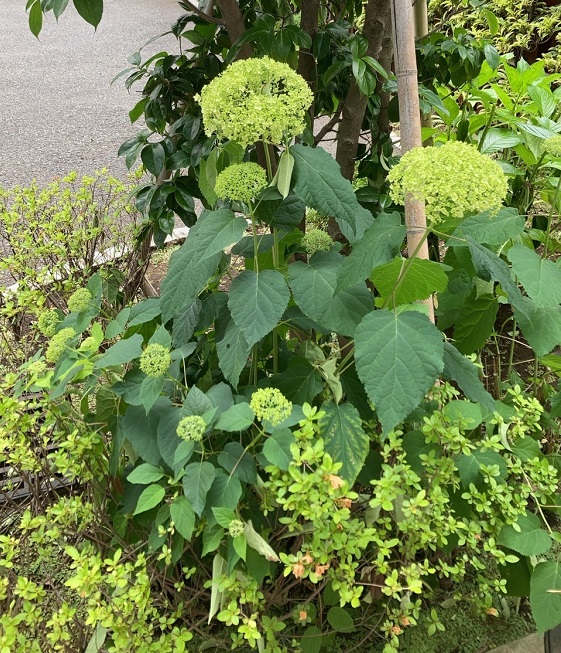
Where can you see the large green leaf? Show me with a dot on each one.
(344, 438)
(497, 139)
(380, 244)
(226, 491)
(475, 322)
(238, 462)
(277, 448)
(460, 369)
(489, 229)
(123, 351)
(540, 277)
(233, 351)
(489, 266)
(319, 183)
(90, 10)
(545, 595)
(257, 301)
(141, 429)
(35, 18)
(398, 358)
(191, 267)
(469, 465)
(528, 538)
(405, 283)
(197, 481)
(183, 516)
(301, 382)
(314, 286)
(541, 325)
(149, 498)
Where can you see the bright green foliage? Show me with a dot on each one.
(256, 100)
(452, 180)
(242, 182)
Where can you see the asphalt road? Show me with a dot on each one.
(58, 109)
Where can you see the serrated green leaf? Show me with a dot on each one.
(121, 352)
(497, 139)
(144, 311)
(233, 352)
(277, 448)
(300, 383)
(197, 481)
(191, 266)
(540, 277)
(150, 389)
(226, 491)
(545, 595)
(404, 283)
(238, 462)
(475, 322)
(312, 640)
(144, 474)
(212, 537)
(223, 515)
(379, 244)
(141, 429)
(460, 369)
(314, 286)
(530, 540)
(541, 326)
(319, 183)
(489, 229)
(257, 301)
(398, 358)
(469, 465)
(90, 10)
(168, 440)
(149, 498)
(344, 438)
(340, 620)
(183, 516)
(237, 418)
(544, 99)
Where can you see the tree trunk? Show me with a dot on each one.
(233, 19)
(306, 59)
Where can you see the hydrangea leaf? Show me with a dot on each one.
(541, 278)
(150, 497)
(195, 262)
(541, 325)
(530, 540)
(300, 382)
(197, 481)
(475, 322)
(277, 448)
(379, 244)
(490, 228)
(344, 438)
(398, 358)
(404, 283)
(257, 302)
(469, 465)
(183, 516)
(460, 369)
(545, 595)
(238, 462)
(226, 491)
(319, 183)
(237, 418)
(123, 351)
(233, 351)
(141, 429)
(314, 286)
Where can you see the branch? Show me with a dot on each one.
(209, 19)
(235, 26)
(328, 126)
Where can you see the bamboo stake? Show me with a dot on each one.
(409, 121)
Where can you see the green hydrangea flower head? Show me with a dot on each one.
(58, 344)
(316, 240)
(191, 428)
(552, 145)
(271, 405)
(155, 360)
(48, 322)
(452, 179)
(241, 182)
(80, 300)
(36, 368)
(235, 528)
(256, 100)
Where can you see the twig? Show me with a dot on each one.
(328, 126)
(201, 14)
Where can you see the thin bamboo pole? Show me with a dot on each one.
(409, 121)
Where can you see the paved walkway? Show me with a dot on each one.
(58, 110)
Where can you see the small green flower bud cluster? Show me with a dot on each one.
(48, 322)
(58, 344)
(235, 528)
(256, 100)
(191, 428)
(155, 360)
(271, 405)
(552, 145)
(80, 300)
(316, 240)
(452, 180)
(241, 182)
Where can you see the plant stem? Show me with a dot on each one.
(487, 127)
(511, 352)
(550, 218)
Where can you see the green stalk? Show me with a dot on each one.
(487, 127)
(550, 218)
